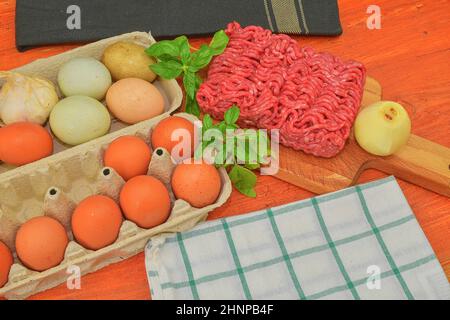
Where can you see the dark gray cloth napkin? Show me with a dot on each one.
(41, 22)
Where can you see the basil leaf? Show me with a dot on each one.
(200, 58)
(164, 49)
(198, 81)
(183, 46)
(250, 166)
(207, 122)
(243, 179)
(167, 69)
(243, 176)
(232, 126)
(201, 148)
(232, 115)
(222, 127)
(263, 142)
(242, 154)
(220, 158)
(192, 106)
(189, 82)
(247, 192)
(219, 42)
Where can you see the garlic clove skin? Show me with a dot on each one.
(24, 98)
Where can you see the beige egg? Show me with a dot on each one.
(133, 100)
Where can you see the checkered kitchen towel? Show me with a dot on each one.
(359, 243)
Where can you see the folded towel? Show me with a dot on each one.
(40, 22)
(359, 243)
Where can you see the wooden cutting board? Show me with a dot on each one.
(422, 162)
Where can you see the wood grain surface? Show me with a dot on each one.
(409, 56)
(420, 161)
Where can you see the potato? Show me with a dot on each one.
(128, 60)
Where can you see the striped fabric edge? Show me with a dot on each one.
(286, 15)
(270, 16)
(303, 16)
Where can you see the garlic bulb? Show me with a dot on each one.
(24, 98)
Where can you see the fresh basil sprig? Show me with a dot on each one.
(175, 59)
(240, 172)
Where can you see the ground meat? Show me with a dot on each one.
(311, 97)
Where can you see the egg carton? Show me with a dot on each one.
(49, 67)
(55, 185)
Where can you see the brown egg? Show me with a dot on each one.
(133, 100)
(129, 156)
(198, 184)
(24, 142)
(162, 137)
(96, 222)
(145, 201)
(6, 261)
(41, 243)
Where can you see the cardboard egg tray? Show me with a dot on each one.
(53, 186)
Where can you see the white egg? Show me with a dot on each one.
(85, 77)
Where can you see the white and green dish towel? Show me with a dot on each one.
(359, 243)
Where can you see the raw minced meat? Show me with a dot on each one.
(311, 97)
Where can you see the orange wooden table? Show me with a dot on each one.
(409, 55)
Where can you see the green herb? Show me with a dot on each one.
(175, 60)
(232, 115)
(241, 175)
(243, 180)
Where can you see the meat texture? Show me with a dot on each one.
(311, 97)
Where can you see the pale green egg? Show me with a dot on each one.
(85, 77)
(78, 119)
